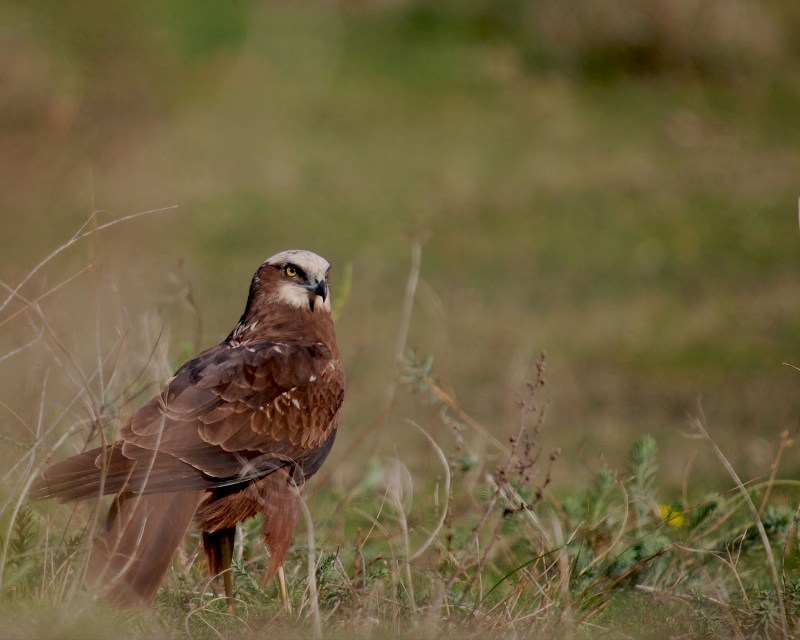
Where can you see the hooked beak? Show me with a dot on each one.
(319, 289)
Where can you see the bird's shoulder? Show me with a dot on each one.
(237, 370)
(282, 390)
(226, 380)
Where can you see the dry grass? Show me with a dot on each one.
(481, 542)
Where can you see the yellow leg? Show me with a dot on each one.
(282, 587)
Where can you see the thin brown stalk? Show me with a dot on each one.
(42, 296)
(401, 516)
(728, 563)
(77, 238)
(462, 567)
(785, 442)
(447, 399)
(316, 620)
(22, 494)
(21, 348)
(391, 391)
(443, 516)
(42, 436)
(482, 557)
(66, 352)
(408, 302)
(563, 571)
(791, 536)
(776, 581)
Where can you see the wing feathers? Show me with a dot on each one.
(228, 415)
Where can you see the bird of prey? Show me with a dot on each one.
(234, 433)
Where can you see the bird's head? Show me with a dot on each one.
(298, 278)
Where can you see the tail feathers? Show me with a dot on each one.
(82, 477)
(128, 561)
(107, 471)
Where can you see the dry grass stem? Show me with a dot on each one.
(776, 581)
(75, 239)
(316, 619)
(434, 534)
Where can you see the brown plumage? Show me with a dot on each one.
(231, 436)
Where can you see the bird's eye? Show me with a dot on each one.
(290, 271)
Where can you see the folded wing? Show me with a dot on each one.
(228, 416)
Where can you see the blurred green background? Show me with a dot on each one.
(614, 182)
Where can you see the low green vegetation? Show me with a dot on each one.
(485, 543)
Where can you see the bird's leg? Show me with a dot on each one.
(219, 551)
(282, 588)
(226, 555)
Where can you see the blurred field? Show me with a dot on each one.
(613, 184)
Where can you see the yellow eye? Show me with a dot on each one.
(290, 271)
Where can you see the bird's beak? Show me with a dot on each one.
(322, 289)
(319, 289)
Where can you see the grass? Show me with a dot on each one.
(638, 223)
(486, 541)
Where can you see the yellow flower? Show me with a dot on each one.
(670, 517)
